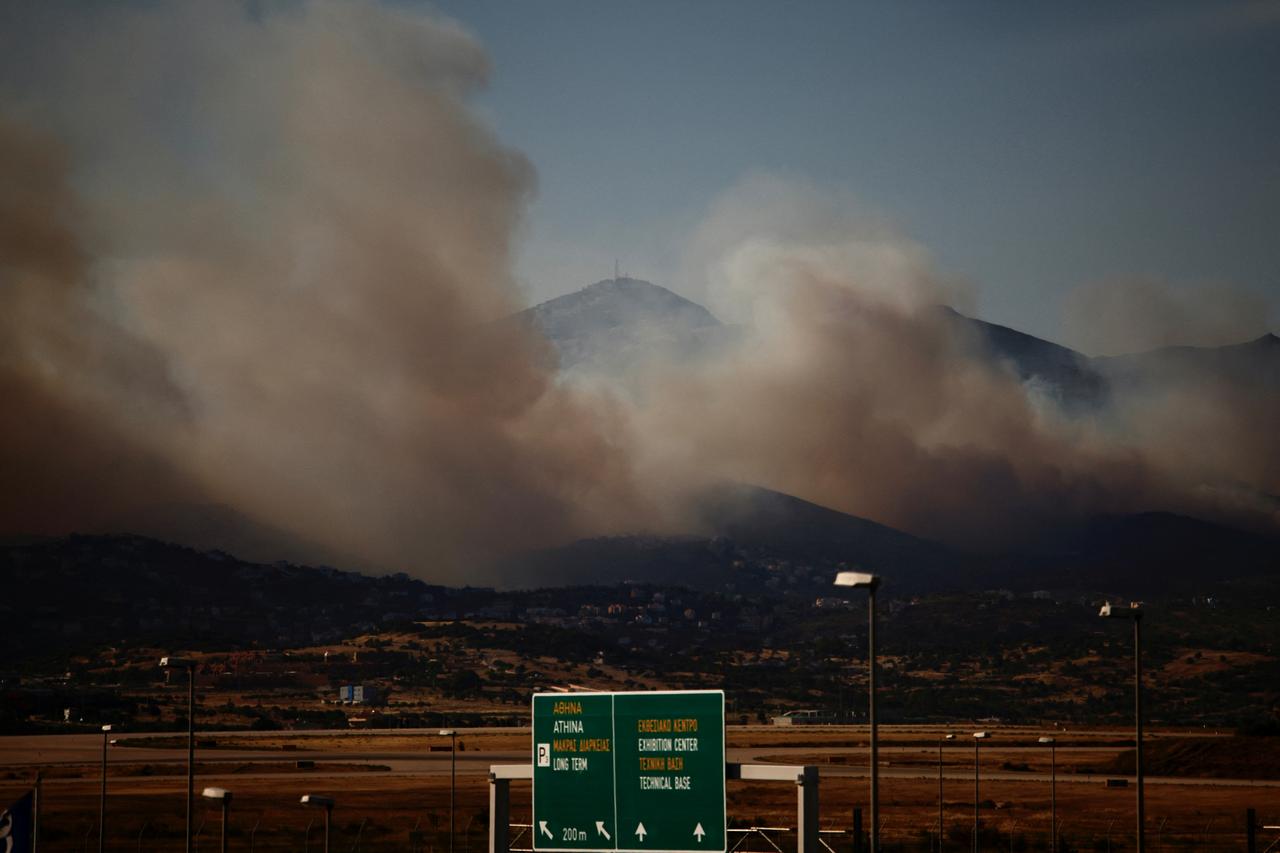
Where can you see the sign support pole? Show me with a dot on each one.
(807, 810)
(500, 776)
(499, 814)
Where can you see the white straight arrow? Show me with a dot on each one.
(640, 831)
(542, 827)
(600, 829)
(699, 832)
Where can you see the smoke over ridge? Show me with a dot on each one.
(1125, 315)
(261, 263)
(855, 391)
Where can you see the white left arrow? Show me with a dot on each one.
(699, 832)
(542, 827)
(600, 829)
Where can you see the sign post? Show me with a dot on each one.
(629, 771)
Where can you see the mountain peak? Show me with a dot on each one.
(619, 321)
(621, 301)
(623, 284)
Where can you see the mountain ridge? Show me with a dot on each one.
(613, 324)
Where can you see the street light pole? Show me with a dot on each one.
(1053, 793)
(1134, 612)
(326, 803)
(191, 748)
(102, 797)
(978, 737)
(941, 741)
(452, 734)
(871, 583)
(223, 796)
(173, 662)
(871, 718)
(1137, 718)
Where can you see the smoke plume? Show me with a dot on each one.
(1125, 315)
(855, 390)
(259, 258)
(277, 290)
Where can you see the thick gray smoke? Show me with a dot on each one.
(852, 389)
(258, 258)
(855, 391)
(1126, 315)
(68, 452)
(277, 290)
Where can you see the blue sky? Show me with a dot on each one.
(1032, 148)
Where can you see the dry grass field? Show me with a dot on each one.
(148, 814)
(378, 810)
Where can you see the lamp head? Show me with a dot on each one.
(106, 728)
(1047, 740)
(981, 735)
(950, 736)
(221, 794)
(864, 580)
(447, 732)
(1111, 611)
(175, 662)
(317, 801)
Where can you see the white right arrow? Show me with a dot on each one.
(699, 832)
(640, 831)
(542, 827)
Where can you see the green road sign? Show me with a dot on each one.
(669, 770)
(629, 771)
(573, 806)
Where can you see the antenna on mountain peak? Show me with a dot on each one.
(615, 269)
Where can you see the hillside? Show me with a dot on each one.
(1145, 554)
(277, 639)
(1066, 377)
(753, 517)
(744, 535)
(80, 591)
